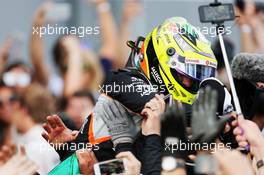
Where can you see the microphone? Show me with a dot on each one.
(249, 67)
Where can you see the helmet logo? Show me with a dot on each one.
(171, 87)
(156, 75)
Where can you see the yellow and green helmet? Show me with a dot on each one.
(175, 49)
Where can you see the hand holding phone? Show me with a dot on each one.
(126, 163)
(114, 166)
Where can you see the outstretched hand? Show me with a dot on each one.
(56, 132)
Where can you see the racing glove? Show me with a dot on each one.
(205, 126)
(121, 123)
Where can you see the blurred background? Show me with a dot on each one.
(16, 19)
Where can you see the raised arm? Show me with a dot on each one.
(248, 44)
(4, 53)
(131, 8)
(108, 31)
(74, 73)
(258, 27)
(36, 46)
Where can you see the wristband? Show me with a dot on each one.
(103, 7)
(260, 163)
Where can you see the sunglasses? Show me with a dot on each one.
(11, 99)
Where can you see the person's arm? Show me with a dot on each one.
(258, 27)
(73, 76)
(247, 41)
(4, 53)
(108, 31)
(36, 46)
(233, 163)
(248, 135)
(132, 165)
(86, 161)
(130, 10)
(151, 164)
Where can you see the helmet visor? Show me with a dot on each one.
(194, 68)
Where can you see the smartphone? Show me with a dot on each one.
(110, 167)
(59, 12)
(220, 13)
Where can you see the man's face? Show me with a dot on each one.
(78, 109)
(186, 81)
(6, 95)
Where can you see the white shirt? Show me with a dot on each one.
(38, 150)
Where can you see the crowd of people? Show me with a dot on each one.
(161, 103)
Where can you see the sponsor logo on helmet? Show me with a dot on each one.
(212, 64)
(156, 75)
(171, 87)
(200, 62)
(195, 61)
(167, 38)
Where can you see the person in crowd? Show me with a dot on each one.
(79, 67)
(15, 163)
(251, 24)
(7, 98)
(18, 76)
(27, 115)
(230, 50)
(78, 107)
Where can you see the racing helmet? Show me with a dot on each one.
(173, 51)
